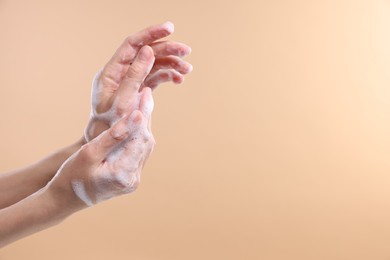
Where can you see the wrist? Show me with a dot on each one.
(61, 202)
(37, 212)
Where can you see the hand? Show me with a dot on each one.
(109, 165)
(108, 101)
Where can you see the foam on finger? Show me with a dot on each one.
(120, 172)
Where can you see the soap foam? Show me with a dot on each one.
(111, 116)
(120, 173)
(79, 188)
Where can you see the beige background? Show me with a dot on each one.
(276, 147)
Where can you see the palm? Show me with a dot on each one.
(167, 67)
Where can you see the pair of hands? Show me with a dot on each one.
(118, 135)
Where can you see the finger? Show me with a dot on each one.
(150, 147)
(135, 75)
(171, 62)
(150, 125)
(127, 51)
(166, 48)
(138, 139)
(146, 104)
(146, 156)
(162, 76)
(107, 141)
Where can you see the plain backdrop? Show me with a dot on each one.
(276, 147)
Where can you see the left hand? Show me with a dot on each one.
(108, 100)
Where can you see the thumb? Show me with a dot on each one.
(107, 141)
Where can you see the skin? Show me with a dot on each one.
(117, 142)
(56, 201)
(110, 165)
(109, 98)
(13, 186)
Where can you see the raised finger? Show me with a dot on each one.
(166, 48)
(127, 51)
(172, 62)
(136, 74)
(146, 106)
(162, 76)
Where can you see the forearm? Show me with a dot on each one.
(18, 184)
(39, 211)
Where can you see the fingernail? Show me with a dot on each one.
(170, 26)
(190, 68)
(183, 52)
(179, 80)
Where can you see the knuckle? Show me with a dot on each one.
(176, 62)
(166, 75)
(146, 137)
(133, 71)
(120, 110)
(87, 152)
(169, 46)
(149, 142)
(131, 41)
(122, 107)
(131, 184)
(117, 134)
